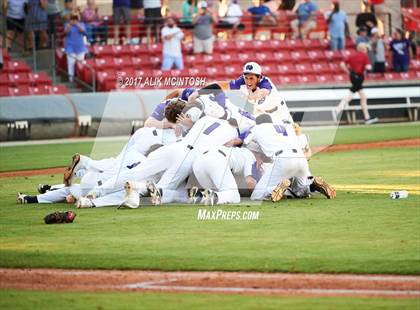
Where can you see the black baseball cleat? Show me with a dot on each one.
(43, 188)
(155, 193)
(195, 195)
(209, 197)
(324, 188)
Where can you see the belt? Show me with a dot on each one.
(220, 151)
(190, 147)
(281, 151)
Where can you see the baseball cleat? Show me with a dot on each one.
(209, 197)
(69, 173)
(91, 195)
(132, 198)
(371, 121)
(277, 193)
(20, 198)
(43, 188)
(324, 188)
(194, 195)
(84, 202)
(154, 192)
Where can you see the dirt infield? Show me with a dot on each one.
(331, 148)
(390, 286)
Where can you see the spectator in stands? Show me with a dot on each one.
(203, 30)
(96, 31)
(136, 7)
(337, 27)
(230, 15)
(15, 20)
(273, 6)
(366, 19)
(362, 35)
(400, 48)
(189, 9)
(380, 10)
(152, 18)
(306, 19)
(378, 49)
(355, 65)
(74, 44)
(172, 37)
(262, 16)
(54, 13)
(37, 21)
(121, 15)
(68, 10)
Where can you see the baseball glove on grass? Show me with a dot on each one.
(60, 217)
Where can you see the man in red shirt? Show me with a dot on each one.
(355, 65)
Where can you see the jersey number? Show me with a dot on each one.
(211, 128)
(281, 130)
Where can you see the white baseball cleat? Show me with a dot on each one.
(209, 197)
(132, 197)
(154, 192)
(20, 198)
(84, 202)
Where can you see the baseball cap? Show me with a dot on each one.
(202, 4)
(253, 68)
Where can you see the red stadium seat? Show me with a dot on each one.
(305, 68)
(39, 78)
(85, 70)
(299, 56)
(246, 57)
(322, 68)
(155, 49)
(59, 90)
(4, 91)
(141, 63)
(294, 45)
(341, 78)
(104, 63)
(282, 57)
(103, 51)
(19, 79)
(263, 57)
(61, 59)
(155, 61)
(307, 79)
(137, 50)
(229, 58)
(316, 56)
(19, 91)
(120, 50)
(123, 62)
(325, 79)
(270, 70)
(6, 56)
(225, 46)
(231, 71)
(16, 66)
(333, 56)
(288, 69)
(40, 90)
(284, 80)
(4, 79)
(245, 46)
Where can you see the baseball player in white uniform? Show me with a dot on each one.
(175, 160)
(288, 158)
(215, 170)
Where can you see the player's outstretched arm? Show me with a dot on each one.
(153, 122)
(250, 182)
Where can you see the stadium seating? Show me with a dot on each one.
(17, 79)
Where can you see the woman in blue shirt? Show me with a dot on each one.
(74, 43)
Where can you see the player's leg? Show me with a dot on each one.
(295, 27)
(58, 195)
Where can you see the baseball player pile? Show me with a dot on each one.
(198, 147)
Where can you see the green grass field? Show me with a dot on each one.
(362, 231)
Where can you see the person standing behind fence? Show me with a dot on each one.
(189, 9)
(74, 43)
(121, 15)
(378, 50)
(54, 13)
(15, 20)
(95, 29)
(37, 21)
(203, 30)
(306, 19)
(338, 27)
(355, 65)
(152, 18)
(172, 37)
(400, 48)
